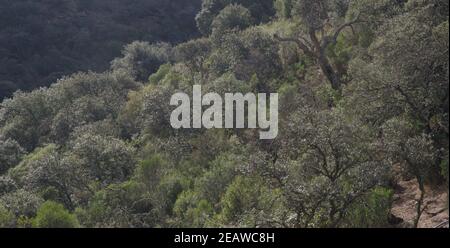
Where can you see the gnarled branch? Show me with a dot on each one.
(305, 48)
(333, 38)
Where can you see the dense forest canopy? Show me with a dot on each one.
(363, 92)
(43, 40)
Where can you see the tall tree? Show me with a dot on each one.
(322, 23)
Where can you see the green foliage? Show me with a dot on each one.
(284, 8)
(149, 171)
(363, 87)
(155, 110)
(400, 78)
(411, 147)
(245, 54)
(120, 205)
(22, 117)
(312, 13)
(240, 196)
(162, 72)
(373, 211)
(19, 172)
(106, 160)
(261, 11)
(212, 185)
(6, 218)
(21, 203)
(249, 203)
(331, 163)
(50, 115)
(57, 177)
(140, 59)
(191, 211)
(54, 215)
(7, 185)
(194, 55)
(10, 154)
(232, 17)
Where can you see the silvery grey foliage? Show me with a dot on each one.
(10, 154)
(106, 160)
(21, 203)
(7, 185)
(325, 164)
(141, 59)
(58, 175)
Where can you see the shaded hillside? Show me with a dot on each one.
(42, 40)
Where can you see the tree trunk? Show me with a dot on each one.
(420, 209)
(329, 72)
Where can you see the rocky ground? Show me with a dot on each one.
(436, 205)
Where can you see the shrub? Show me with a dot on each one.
(373, 211)
(233, 16)
(54, 215)
(6, 217)
(142, 59)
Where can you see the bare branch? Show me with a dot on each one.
(306, 49)
(333, 39)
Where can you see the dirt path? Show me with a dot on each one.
(436, 202)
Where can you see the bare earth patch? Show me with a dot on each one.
(436, 202)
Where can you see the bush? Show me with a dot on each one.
(249, 202)
(54, 215)
(284, 8)
(21, 202)
(10, 154)
(261, 11)
(373, 211)
(233, 16)
(6, 217)
(142, 59)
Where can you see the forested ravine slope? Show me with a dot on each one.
(363, 121)
(43, 40)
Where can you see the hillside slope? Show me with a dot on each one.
(40, 41)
